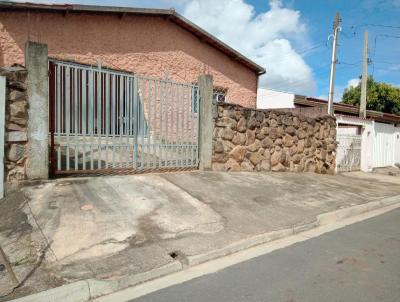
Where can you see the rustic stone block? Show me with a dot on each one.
(227, 134)
(288, 140)
(241, 125)
(301, 134)
(278, 157)
(238, 153)
(15, 152)
(220, 157)
(239, 138)
(331, 147)
(265, 165)
(296, 158)
(16, 95)
(251, 137)
(255, 158)
(218, 167)
(278, 168)
(226, 122)
(14, 127)
(291, 130)
(254, 146)
(267, 142)
(273, 123)
(16, 136)
(228, 146)
(218, 147)
(246, 166)
(232, 165)
(18, 109)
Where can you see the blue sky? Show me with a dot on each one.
(289, 37)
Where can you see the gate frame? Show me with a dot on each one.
(367, 132)
(203, 115)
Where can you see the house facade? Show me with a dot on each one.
(363, 144)
(150, 42)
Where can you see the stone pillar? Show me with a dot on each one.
(2, 129)
(36, 62)
(206, 122)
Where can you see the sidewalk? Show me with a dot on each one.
(125, 229)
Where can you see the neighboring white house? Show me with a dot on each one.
(273, 99)
(363, 144)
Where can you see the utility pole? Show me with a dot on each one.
(336, 29)
(364, 79)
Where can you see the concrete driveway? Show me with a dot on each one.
(109, 227)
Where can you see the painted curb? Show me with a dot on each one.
(84, 290)
(103, 287)
(74, 292)
(322, 219)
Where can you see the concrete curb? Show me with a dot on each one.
(84, 290)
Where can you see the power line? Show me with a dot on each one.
(383, 35)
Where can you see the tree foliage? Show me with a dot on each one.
(381, 97)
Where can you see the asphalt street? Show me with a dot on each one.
(360, 262)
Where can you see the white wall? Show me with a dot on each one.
(397, 146)
(350, 130)
(271, 99)
(386, 145)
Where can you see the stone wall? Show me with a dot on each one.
(16, 125)
(246, 139)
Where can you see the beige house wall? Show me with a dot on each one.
(145, 45)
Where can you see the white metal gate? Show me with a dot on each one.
(384, 145)
(348, 156)
(105, 121)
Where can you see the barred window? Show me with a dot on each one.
(219, 95)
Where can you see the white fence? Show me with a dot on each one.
(380, 144)
(386, 151)
(348, 157)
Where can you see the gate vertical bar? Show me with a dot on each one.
(76, 118)
(107, 99)
(127, 127)
(178, 95)
(167, 95)
(160, 141)
(148, 139)
(84, 73)
(136, 130)
(67, 112)
(59, 90)
(188, 88)
(52, 109)
(113, 116)
(121, 117)
(172, 123)
(155, 124)
(91, 116)
(99, 105)
(183, 125)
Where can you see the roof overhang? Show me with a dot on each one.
(170, 14)
(347, 109)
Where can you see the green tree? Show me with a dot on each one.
(381, 97)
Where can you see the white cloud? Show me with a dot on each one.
(353, 82)
(263, 37)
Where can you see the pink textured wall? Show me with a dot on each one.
(142, 44)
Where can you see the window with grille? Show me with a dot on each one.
(219, 95)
